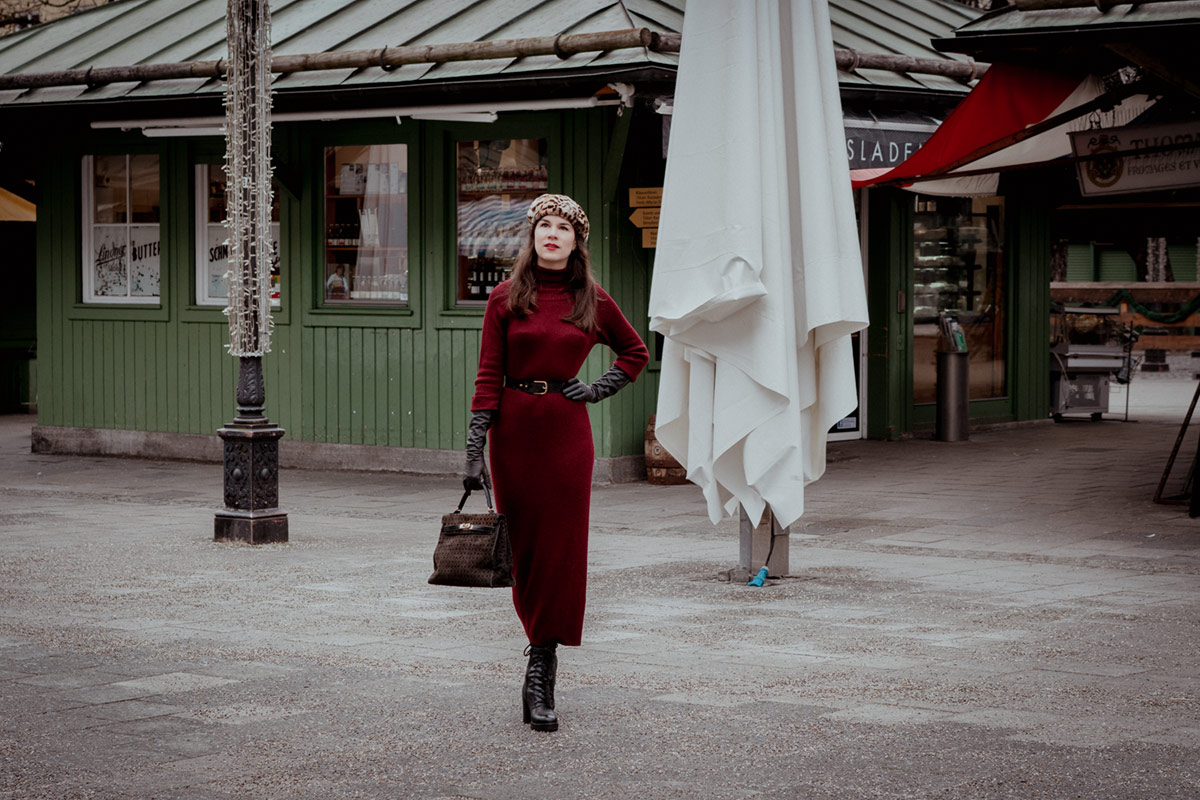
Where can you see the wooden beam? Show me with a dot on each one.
(563, 46)
(1102, 291)
(1172, 76)
(1172, 341)
(853, 60)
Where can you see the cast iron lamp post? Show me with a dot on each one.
(251, 441)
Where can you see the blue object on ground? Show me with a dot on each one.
(758, 579)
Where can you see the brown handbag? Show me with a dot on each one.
(473, 549)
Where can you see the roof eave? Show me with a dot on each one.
(991, 42)
(542, 85)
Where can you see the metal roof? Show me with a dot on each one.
(1011, 19)
(1159, 37)
(132, 32)
(901, 27)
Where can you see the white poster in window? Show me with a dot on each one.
(143, 260)
(110, 252)
(216, 263)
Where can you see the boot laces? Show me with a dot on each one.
(538, 672)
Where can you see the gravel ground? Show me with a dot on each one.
(1008, 617)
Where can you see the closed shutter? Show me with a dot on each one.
(1117, 265)
(1080, 266)
(1183, 261)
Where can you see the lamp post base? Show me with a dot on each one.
(251, 527)
(251, 513)
(251, 442)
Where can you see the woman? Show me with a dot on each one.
(538, 329)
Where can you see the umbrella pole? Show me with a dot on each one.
(755, 543)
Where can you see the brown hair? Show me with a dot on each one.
(522, 293)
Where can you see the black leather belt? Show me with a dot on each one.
(534, 387)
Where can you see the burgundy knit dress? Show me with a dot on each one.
(540, 446)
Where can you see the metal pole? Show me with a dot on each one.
(754, 543)
(251, 441)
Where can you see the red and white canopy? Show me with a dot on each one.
(1007, 100)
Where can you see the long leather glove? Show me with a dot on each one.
(476, 437)
(609, 384)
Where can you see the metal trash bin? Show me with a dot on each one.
(953, 414)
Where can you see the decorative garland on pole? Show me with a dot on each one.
(251, 441)
(248, 176)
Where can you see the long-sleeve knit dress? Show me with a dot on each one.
(540, 446)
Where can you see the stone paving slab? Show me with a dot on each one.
(1008, 617)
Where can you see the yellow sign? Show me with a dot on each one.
(646, 196)
(645, 217)
(650, 237)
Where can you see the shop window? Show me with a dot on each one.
(497, 180)
(958, 269)
(121, 243)
(366, 225)
(212, 239)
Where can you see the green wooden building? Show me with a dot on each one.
(399, 197)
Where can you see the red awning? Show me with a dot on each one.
(1014, 116)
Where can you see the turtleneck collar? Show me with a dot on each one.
(558, 276)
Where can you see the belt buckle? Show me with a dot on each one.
(545, 387)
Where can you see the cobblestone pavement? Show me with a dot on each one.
(1008, 617)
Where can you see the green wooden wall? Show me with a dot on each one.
(1028, 208)
(889, 288)
(355, 376)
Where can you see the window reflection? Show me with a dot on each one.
(497, 180)
(366, 225)
(958, 268)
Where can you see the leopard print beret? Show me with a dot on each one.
(561, 206)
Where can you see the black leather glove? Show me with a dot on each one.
(609, 384)
(476, 437)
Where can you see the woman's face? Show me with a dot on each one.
(553, 241)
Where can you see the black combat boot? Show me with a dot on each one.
(537, 695)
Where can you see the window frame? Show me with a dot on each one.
(88, 296)
(443, 139)
(361, 305)
(457, 190)
(202, 299)
(313, 138)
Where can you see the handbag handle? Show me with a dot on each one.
(487, 493)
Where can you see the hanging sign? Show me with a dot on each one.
(874, 148)
(884, 143)
(645, 217)
(646, 202)
(646, 196)
(1109, 170)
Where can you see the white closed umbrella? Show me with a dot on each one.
(757, 277)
